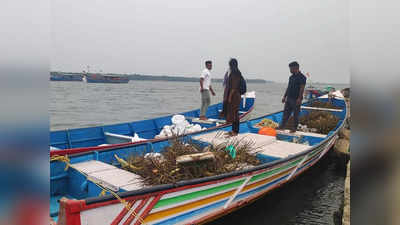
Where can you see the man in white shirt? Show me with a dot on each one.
(205, 89)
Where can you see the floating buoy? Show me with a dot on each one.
(267, 131)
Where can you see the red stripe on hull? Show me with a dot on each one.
(148, 209)
(121, 215)
(135, 212)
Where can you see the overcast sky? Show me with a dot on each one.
(175, 37)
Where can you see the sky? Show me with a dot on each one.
(175, 37)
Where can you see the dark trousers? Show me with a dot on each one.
(224, 109)
(290, 106)
(235, 126)
(235, 117)
(224, 104)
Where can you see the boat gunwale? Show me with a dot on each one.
(204, 180)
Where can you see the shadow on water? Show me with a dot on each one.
(315, 197)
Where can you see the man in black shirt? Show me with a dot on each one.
(293, 96)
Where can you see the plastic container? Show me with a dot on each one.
(267, 131)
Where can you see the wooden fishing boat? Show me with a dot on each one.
(75, 192)
(118, 135)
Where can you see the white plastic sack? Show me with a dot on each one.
(137, 138)
(178, 119)
(180, 126)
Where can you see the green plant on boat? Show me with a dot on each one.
(163, 168)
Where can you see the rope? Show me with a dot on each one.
(126, 204)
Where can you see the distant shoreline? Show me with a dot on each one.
(185, 79)
(191, 79)
(168, 78)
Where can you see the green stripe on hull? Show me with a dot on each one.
(272, 172)
(188, 196)
(210, 191)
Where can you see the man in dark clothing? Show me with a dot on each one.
(293, 96)
(224, 102)
(233, 95)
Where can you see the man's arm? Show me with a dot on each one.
(300, 98)
(201, 83)
(212, 91)
(225, 79)
(284, 96)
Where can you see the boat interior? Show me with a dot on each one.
(125, 132)
(102, 167)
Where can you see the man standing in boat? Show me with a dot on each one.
(205, 89)
(293, 96)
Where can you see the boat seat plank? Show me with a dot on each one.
(217, 138)
(133, 186)
(265, 145)
(115, 178)
(92, 166)
(109, 175)
(321, 109)
(121, 136)
(208, 121)
(300, 133)
(282, 149)
(240, 112)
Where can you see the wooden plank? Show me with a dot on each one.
(321, 109)
(240, 112)
(217, 138)
(282, 149)
(92, 166)
(126, 137)
(208, 121)
(195, 157)
(300, 133)
(110, 176)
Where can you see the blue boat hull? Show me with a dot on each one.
(93, 137)
(74, 185)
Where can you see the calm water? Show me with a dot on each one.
(313, 198)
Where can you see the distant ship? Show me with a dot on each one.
(58, 76)
(106, 78)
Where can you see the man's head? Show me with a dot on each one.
(208, 64)
(294, 67)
